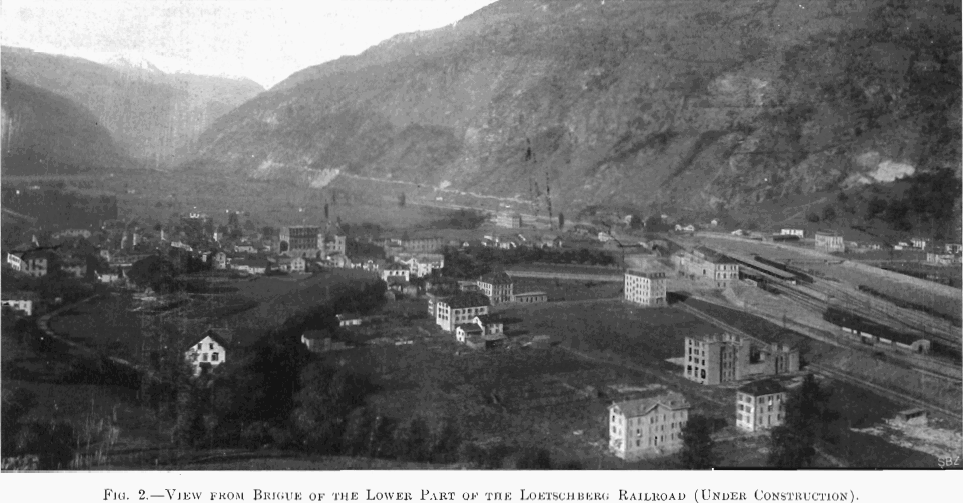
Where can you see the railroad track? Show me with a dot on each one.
(887, 392)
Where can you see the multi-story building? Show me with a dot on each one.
(459, 309)
(719, 358)
(647, 426)
(793, 232)
(14, 261)
(37, 263)
(220, 260)
(497, 286)
(291, 264)
(645, 288)
(395, 270)
(760, 405)
(397, 246)
(334, 243)
(830, 241)
(509, 220)
(300, 241)
(709, 266)
(919, 243)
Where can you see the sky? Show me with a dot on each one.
(265, 41)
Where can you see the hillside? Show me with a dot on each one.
(45, 133)
(154, 116)
(695, 104)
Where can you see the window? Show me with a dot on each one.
(213, 357)
(198, 346)
(204, 357)
(211, 346)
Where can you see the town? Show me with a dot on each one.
(660, 327)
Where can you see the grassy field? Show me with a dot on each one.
(646, 335)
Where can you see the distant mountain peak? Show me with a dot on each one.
(133, 62)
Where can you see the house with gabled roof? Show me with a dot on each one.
(209, 351)
(645, 427)
(497, 286)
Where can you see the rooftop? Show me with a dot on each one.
(463, 300)
(646, 274)
(642, 406)
(714, 256)
(496, 278)
(763, 387)
(470, 328)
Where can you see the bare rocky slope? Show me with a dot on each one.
(695, 103)
(153, 116)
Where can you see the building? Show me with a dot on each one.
(208, 352)
(72, 233)
(467, 331)
(645, 288)
(252, 266)
(647, 426)
(19, 301)
(422, 264)
(497, 286)
(349, 320)
(953, 247)
(942, 258)
(320, 341)
(433, 304)
(395, 270)
(551, 242)
(37, 263)
(492, 327)
(709, 266)
(719, 358)
(74, 266)
(760, 405)
(830, 241)
(291, 264)
(509, 220)
(919, 243)
(413, 245)
(684, 228)
(14, 261)
(334, 243)
(530, 297)
(220, 260)
(915, 416)
(459, 309)
(300, 241)
(793, 232)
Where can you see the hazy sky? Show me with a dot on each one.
(265, 41)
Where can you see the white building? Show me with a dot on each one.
(760, 405)
(19, 301)
(647, 426)
(396, 270)
(792, 232)
(645, 288)
(459, 309)
(209, 352)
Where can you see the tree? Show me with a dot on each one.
(812, 217)
(533, 458)
(808, 417)
(829, 214)
(401, 200)
(697, 444)
(232, 220)
(325, 211)
(249, 225)
(448, 439)
(413, 441)
(561, 220)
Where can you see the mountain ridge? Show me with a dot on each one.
(154, 116)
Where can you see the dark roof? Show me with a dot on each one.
(714, 256)
(641, 406)
(253, 262)
(469, 299)
(646, 274)
(488, 318)
(393, 280)
(470, 328)
(316, 334)
(214, 335)
(764, 387)
(496, 278)
(396, 266)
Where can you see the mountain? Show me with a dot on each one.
(696, 104)
(45, 133)
(154, 116)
